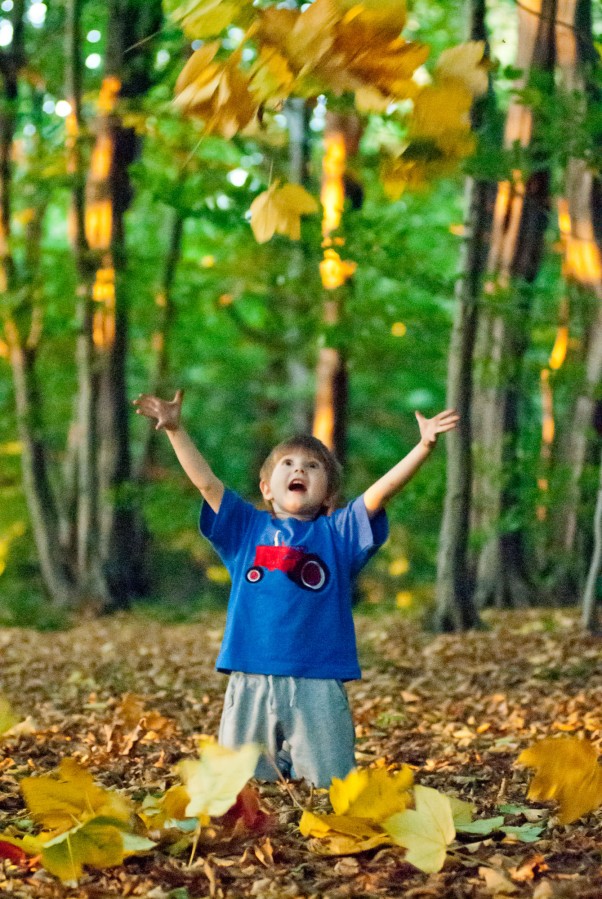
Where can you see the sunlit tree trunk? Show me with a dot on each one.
(517, 241)
(582, 269)
(341, 140)
(22, 329)
(456, 609)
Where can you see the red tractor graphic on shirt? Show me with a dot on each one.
(303, 568)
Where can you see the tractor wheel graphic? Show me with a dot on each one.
(311, 573)
(254, 575)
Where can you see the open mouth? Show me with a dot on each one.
(297, 486)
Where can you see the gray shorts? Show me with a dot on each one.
(303, 723)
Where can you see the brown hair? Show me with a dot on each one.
(314, 447)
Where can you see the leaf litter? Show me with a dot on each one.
(129, 700)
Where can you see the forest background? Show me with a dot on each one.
(128, 264)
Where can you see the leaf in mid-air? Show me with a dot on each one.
(218, 94)
(70, 795)
(215, 779)
(465, 64)
(278, 210)
(206, 18)
(425, 831)
(567, 771)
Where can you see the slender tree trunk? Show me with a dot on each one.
(517, 241)
(590, 615)
(455, 606)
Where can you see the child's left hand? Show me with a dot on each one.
(430, 428)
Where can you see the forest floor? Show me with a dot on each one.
(459, 709)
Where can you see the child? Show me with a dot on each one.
(289, 642)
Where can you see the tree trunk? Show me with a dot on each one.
(583, 268)
(22, 350)
(520, 219)
(91, 582)
(455, 606)
(590, 617)
(121, 529)
(342, 134)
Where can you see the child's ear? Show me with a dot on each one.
(265, 491)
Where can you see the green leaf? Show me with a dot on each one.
(482, 827)
(526, 833)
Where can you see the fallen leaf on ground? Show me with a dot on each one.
(425, 831)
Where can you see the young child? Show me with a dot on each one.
(289, 642)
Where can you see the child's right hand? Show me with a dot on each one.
(166, 412)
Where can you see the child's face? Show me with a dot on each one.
(298, 486)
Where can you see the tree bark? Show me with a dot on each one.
(583, 268)
(91, 582)
(590, 615)
(456, 609)
(332, 386)
(22, 346)
(520, 219)
(121, 530)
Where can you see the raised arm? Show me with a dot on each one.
(167, 414)
(397, 477)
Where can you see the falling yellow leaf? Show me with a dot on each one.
(271, 77)
(278, 210)
(441, 111)
(57, 801)
(215, 779)
(207, 18)
(385, 15)
(466, 65)
(217, 94)
(372, 793)
(425, 831)
(567, 771)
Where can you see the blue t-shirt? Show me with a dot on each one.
(290, 604)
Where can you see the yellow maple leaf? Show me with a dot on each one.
(440, 109)
(372, 793)
(215, 779)
(425, 831)
(567, 771)
(207, 18)
(218, 94)
(384, 15)
(466, 65)
(164, 811)
(271, 77)
(304, 38)
(341, 834)
(97, 844)
(70, 795)
(278, 210)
